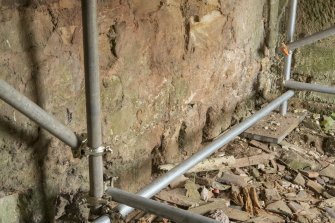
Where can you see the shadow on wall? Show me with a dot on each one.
(41, 145)
(38, 143)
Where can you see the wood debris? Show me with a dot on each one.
(258, 182)
(218, 164)
(179, 199)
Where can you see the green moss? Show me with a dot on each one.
(111, 93)
(315, 60)
(9, 211)
(180, 89)
(122, 120)
(298, 165)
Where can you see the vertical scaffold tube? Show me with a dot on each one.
(288, 59)
(92, 87)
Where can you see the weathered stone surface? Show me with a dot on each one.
(316, 187)
(272, 195)
(163, 65)
(315, 62)
(299, 179)
(329, 171)
(9, 209)
(279, 207)
(297, 161)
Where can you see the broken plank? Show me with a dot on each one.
(260, 145)
(316, 187)
(233, 214)
(208, 165)
(253, 160)
(274, 127)
(178, 199)
(232, 179)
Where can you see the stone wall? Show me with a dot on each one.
(315, 63)
(174, 75)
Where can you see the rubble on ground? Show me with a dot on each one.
(258, 182)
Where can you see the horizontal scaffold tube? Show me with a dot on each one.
(163, 181)
(296, 85)
(103, 219)
(37, 114)
(157, 208)
(311, 39)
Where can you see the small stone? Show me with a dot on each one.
(331, 190)
(316, 116)
(281, 168)
(255, 173)
(330, 211)
(302, 219)
(305, 205)
(191, 190)
(288, 177)
(261, 166)
(279, 207)
(266, 217)
(316, 187)
(220, 216)
(206, 194)
(320, 181)
(61, 202)
(285, 183)
(329, 145)
(290, 196)
(310, 174)
(328, 203)
(296, 208)
(299, 179)
(220, 186)
(298, 162)
(325, 179)
(232, 179)
(329, 171)
(272, 195)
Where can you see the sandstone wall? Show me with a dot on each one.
(174, 74)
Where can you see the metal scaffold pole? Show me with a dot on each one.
(37, 114)
(163, 181)
(155, 207)
(288, 59)
(92, 87)
(311, 39)
(309, 87)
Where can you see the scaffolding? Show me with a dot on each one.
(93, 146)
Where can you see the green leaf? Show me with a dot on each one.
(327, 123)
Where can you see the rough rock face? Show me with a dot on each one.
(174, 74)
(315, 63)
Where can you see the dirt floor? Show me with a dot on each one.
(252, 181)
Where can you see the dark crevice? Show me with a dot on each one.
(183, 9)
(112, 36)
(207, 127)
(157, 155)
(182, 137)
